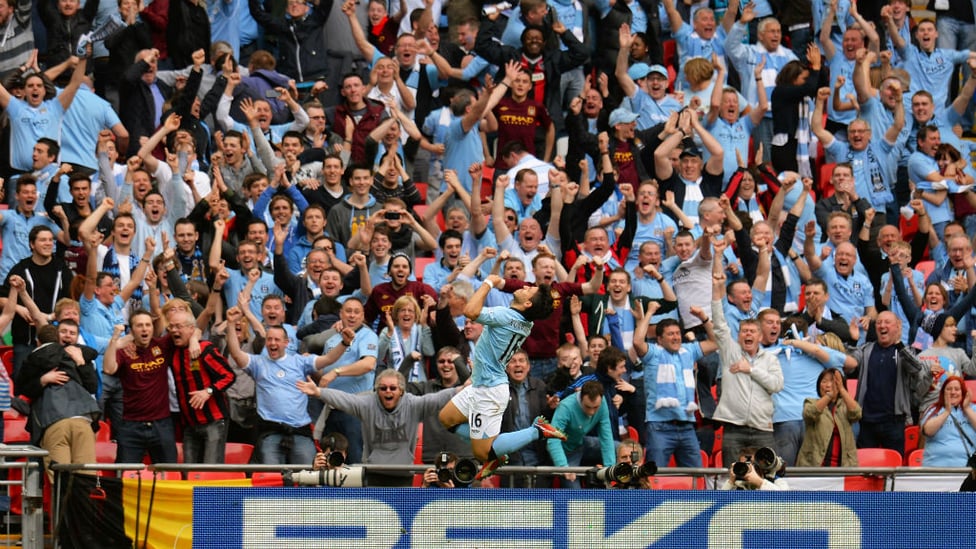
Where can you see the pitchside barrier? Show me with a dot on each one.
(143, 510)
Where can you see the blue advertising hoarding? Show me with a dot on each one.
(379, 518)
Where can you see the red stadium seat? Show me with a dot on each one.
(238, 453)
(15, 430)
(911, 441)
(104, 433)
(825, 186)
(266, 479)
(148, 474)
(105, 452)
(420, 265)
(915, 458)
(422, 189)
(872, 457)
(673, 483)
(717, 459)
(925, 267)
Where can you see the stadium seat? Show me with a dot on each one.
(422, 189)
(925, 267)
(872, 457)
(673, 483)
(104, 433)
(825, 186)
(8, 363)
(911, 441)
(266, 479)
(15, 430)
(148, 474)
(971, 387)
(852, 387)
(717, 444)
(915, 458)
(632, 433)
(717, 459)
(420, 210)
(105, 452)
(418, 456)
(238, 453)
(420, 265)
(216, 475)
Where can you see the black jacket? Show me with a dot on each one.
(554, 62)
(302, 52)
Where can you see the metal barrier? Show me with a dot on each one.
(32, 490)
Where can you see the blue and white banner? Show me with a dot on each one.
(379, 518)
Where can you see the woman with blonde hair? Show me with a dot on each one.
(406, 343)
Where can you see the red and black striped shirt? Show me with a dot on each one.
(209, 370)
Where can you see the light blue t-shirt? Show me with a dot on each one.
(15, 230)
(27, 125)
(505, 330)
(947, 448)
(462, 149)
(800, 373)
(265, 286)
(365, 344)
(275, 384)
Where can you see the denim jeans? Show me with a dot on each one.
(737, 437)
(882, 434)
(665, 439)
(205, 443)
(301, 449)
(789, 437)
(135, 438)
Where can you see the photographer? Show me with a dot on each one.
(629, 451)
(752, 476)
(449, 471)
(333, 452)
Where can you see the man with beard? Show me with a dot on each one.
(383, 296)
(545, 336)
(389, 417)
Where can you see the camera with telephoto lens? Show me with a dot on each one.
(625, 475)
(462, 474)
(767, 463)
(342, 476)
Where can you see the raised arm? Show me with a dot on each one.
(627, 84)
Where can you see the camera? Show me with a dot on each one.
(392, 216)
(462, 474)
(625, 475)
(335, 459)
(272, 93)
(740, 469)
(767, 463)
(337, 478)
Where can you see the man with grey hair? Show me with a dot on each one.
(389, 418)
(447, 314)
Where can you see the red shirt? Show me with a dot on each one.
(545, 335)
(518, 122)
(385, 295)
(623, 159)
(210, 369)
(145, 382)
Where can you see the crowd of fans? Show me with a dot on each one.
(211, 205)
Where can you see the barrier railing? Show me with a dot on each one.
(32, 490)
